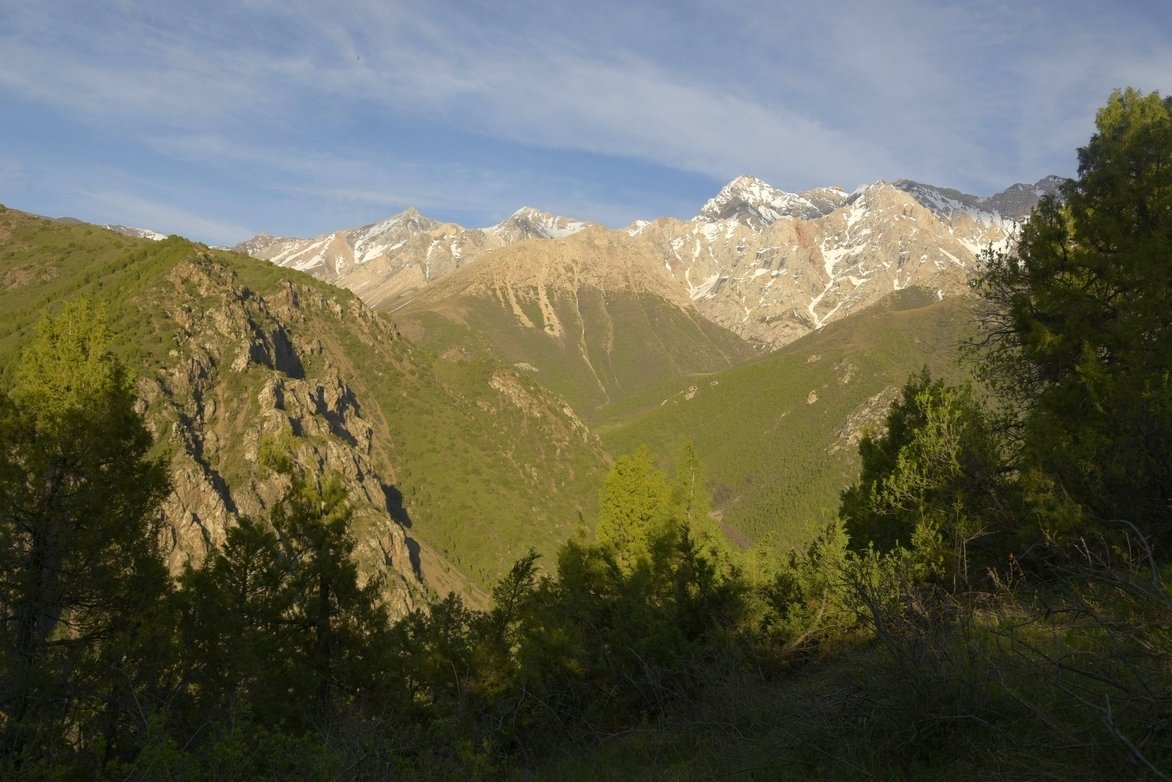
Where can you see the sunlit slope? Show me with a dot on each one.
(778, 436)
(474, 462)
(595, 317)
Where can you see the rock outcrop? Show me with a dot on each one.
(247, 374)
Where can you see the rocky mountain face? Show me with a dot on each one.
(1013, 203)
(595, 316)
(774, 280)
(403, 253)
(452, 470)
(768, 265)
(245, 374)
(755, 203)
(324, 377)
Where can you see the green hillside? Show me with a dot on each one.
(488, 462)
(477, 460)
(778, 436)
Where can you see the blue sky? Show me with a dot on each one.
(296, 117)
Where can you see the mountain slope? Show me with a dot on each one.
(817, 259)
(403, 253)
(594, 316)
(454, 469)
(778, 436)
(757, 204)
(765, 264)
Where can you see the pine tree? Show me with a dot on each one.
(1079, 333)
(634, 507)
(277, 622)
(81, 575)
(931, 483)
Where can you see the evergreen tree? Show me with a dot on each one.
(634, 507)
(277, 623)
(81, 576)
(931, 483)
(334, 613)
(1080, 328)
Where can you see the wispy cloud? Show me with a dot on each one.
(461, 106)
(113, 206)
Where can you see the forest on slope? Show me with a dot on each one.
(990, 601)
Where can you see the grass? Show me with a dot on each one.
(778, 435)
(486, 462)
(613, 344)
(484, 456)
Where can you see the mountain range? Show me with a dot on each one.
(765, 264)
(472, 385)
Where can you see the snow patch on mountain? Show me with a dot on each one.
(534, 223)
(755, 203)
(768, 264)
(137, 233)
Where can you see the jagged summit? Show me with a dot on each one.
(764, 263)
(378, 239)
(1013, 203)
(756, 203)
(530, 223)
(1016, 201)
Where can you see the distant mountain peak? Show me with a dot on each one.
(530, 223)
(136, 233)
(757, 203)
(1013, 203)
(767, 264)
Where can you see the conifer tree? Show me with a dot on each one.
(634, 507)
(1080, 328)
(931, 483)
(81, 575)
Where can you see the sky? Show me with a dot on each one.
(221, 120)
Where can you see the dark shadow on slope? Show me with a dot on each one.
(394, 499)
(413, 555)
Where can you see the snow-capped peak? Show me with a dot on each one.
(137, 233)
(756, 203)
(535, 223)
(378, 239)
(1013, 203)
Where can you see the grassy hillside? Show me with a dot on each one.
(778, 436)
(478, 461)
(483, 459)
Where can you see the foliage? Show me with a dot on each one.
(277, 621)
(932, 483)
(775, 435)
(1078, 333)
(634, 508)
(81, 576)
(466, 450)
(874, 650)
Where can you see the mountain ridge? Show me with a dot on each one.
(766, 264)
(235, 356)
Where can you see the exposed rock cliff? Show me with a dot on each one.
(248, 373)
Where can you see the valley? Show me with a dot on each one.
(626, 391)
(475, 416)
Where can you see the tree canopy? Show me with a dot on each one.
(81, 576)
(1079, 328)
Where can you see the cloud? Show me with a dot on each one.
(458, 106)
(536, 89)
(113, 206)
